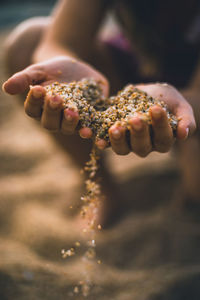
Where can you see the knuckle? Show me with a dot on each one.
(142, 152)
(142, 135)
(49, 127)
(163, 146)
(31, 114)
(28, 112)
(139, 134)
(161, 125)
(162, 150)
(68, 126)
(142, 155)
(121, 151)
(71, 124)
(67, 131)
(52, 111)
(117, 144)
(34, 102)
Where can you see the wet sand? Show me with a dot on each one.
(151, 253)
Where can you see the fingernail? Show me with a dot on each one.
(116, 134)
(186, 133)
(54, 102)
(68, 117)
(85, 133)
(156, 113)
(137, 126)
(37, 94)
(3, 87)
(101, 144)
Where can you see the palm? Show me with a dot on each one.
(61, 69)
(176, 104)
(65, 70)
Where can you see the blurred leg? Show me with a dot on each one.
(21, 43)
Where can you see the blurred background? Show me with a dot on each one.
(15, 11)
(152, 252)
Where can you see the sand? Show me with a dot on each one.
(151, 253)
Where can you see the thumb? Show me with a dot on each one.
(187, 124)
(20, 82)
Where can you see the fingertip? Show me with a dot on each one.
(4, 87)
(136, 123)
(85, 133)
(186, 132)
(118, 139)
(156, 112)
(55, 102)
(105, 88)
(20, 81)
(38, 91)
(115, 132)
(104, 84)
(16, 84)
(7, 88)
(101, 144)
(71, 115)
(186, 127)
(182, 133)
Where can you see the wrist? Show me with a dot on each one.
(50, 50)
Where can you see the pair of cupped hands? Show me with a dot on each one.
(52, 115)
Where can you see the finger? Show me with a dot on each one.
(162, 131)
(186, 124)
(140, 136)
(34, 102)
(85, 133)
(101, 144)
(20, 82)
(70, 121)
(51, 116)
(117, 136)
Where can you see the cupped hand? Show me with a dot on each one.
(47, 108)
(161, 139)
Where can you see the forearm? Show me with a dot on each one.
(72, 29)
(192, 91)
(50, 49)
(194, 83)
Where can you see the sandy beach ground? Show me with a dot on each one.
(152, 252)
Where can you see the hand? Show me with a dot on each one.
(141, 142)
(47, 108)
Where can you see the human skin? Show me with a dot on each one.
(60, 57)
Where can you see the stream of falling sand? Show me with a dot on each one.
(89, 212)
